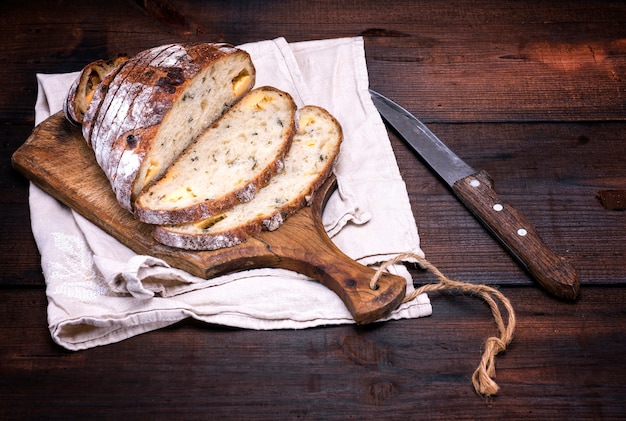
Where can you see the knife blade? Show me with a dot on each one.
(475, 190)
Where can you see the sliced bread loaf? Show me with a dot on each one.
(143, 116)
(308, 164)
(227, 164)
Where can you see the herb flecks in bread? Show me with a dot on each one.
(307, 165)
(226, 164)
(208, 96)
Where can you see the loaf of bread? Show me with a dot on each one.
(189, 146)
(227, 164)
(147, 111)
(82, 90)
(308, 164)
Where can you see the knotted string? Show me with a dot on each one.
(483, 377)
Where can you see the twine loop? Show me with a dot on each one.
(483, 377)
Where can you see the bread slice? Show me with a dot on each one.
(308, 164)
(82, 90)
(140, 120)
(227, 164)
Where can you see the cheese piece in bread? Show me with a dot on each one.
(227, 164)
(308, 164)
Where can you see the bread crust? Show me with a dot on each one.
(82, 89)
(211, 207)
(170, 89)
(130, 109)
(96, 103)
(199, 242)
(130, 95)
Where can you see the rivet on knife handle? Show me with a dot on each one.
(519, 236)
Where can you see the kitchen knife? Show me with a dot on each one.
(475, 189)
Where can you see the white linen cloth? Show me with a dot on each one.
(100, 292)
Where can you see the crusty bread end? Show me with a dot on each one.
(82, 90)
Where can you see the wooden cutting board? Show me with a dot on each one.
(57, 159)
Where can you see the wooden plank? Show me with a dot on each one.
(552, 172)
(535, 61)
(566, 362)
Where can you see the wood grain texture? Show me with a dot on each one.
(557, 368)
(532, 92)
(551, 172)
(493, 61)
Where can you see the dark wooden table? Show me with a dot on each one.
(533, 92)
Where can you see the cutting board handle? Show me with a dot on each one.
(301, 244)
(307, 249)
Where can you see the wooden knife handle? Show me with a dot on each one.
(553, 272)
